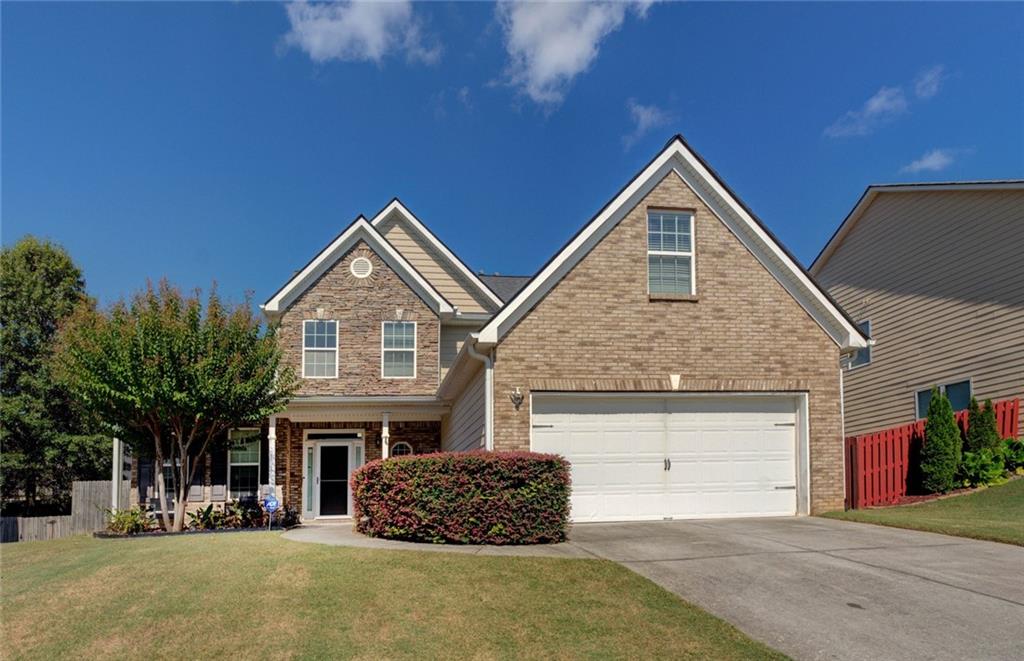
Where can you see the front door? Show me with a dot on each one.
(334, 480)
(328, 461)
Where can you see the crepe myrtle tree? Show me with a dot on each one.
(164, 368)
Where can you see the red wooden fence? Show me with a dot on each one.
(877, 464)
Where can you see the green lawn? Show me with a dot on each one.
(258, 595)
(996, 513)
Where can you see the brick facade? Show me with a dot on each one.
(424, 437)
(360, 306)
(597, 329)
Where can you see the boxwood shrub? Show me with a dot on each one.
(464, 498)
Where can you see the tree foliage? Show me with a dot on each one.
(40, 285)
(982, 430)
(166, 370)
(940, 455)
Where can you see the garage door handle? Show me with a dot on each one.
(543, 426)
(787, 488)
(667, 464)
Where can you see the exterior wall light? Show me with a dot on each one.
(517, 397)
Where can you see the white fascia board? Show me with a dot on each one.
(677, 157)
(360, 229)
(452, 258)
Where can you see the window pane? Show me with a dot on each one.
(669, 231)
(959, 394)
(924, 397)
(244, 481)
(668, 274)
(245, 453)
(399, 335)
(399, 363)
(319, 362)
(320, 334)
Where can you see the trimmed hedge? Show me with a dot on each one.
(464, 498)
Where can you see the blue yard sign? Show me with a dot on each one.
(271, 504)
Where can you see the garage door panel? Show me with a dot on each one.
(728, 454)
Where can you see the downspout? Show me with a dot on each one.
(488, 390)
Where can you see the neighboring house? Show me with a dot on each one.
(672, 350)
(934, 273)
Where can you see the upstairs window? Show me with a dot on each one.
(398, 350)
(862, 356)
(670, 252)
(319, 349)
(958, 393)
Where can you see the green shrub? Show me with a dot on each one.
(206, 518)
(130, 521)
(982, 467)
(464, 498)
(940, 455)
(982, 433)
(1013, 454)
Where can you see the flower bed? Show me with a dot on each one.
(464, 498)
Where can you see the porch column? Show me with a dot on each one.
(117, 468)
(272, 455)
(385, 435)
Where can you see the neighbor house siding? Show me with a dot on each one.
(598, 330)
(940, 276)
(433, 266)
(360, 306)
(463, 428)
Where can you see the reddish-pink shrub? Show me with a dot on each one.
(464, 498)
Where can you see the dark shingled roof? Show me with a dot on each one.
(505, 286)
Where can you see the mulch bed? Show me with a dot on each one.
(917, 499)
(103, 534)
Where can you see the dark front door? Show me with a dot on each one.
(333, 480)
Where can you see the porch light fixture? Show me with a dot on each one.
(517, 397)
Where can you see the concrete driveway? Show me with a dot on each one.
(823, 589)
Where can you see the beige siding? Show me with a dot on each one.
(941, 278)
(463, 428)
(452, 338)
(445, 278)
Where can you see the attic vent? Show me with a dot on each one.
(361, 267)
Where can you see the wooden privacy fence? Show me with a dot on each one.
(879, 464)
(89, 502)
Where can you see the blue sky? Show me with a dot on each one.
(231, 141)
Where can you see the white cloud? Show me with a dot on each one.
(359, 31)
(645, 119)
(928, 82)
(884, 106)
(932, 161)
(550, 43)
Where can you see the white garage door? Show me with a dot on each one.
(641, 457)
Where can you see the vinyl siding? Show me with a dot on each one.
(433, 266)
(463, 428)
(452, 338)
(940, 276)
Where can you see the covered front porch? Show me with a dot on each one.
(318, 441)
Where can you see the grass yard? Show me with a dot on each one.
(256, 595)
(996, 514)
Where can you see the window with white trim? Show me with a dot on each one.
(243, 463)
(670, 252)
(862, 356)
(398, 350)
(958, 393)
(319, 349)
(401, 449)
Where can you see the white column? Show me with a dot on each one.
(385, 435)
(272, 454)
(117, 462)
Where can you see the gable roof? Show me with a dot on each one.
(873, 191)
(678, 157)
(505, 286)
(395, 205)
(359, 230)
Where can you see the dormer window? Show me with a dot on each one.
(670, 253)
(319, 349)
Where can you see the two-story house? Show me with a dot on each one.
(672, 350)
(934, 273)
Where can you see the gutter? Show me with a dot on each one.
(488, 362)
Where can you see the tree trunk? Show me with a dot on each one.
(161, 493)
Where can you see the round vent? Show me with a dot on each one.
(361, 267)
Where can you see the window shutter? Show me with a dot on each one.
(219, 474)
(195, 490)
(146, 483)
